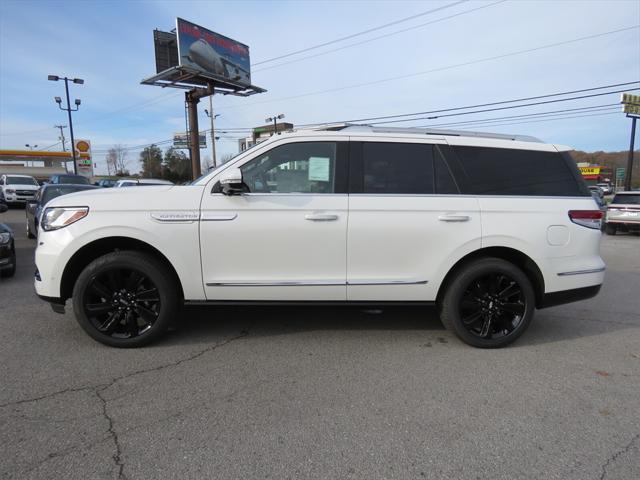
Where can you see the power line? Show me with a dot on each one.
(364, 32)
(502, 102)
(379, 37)
(553, 119)
(439, 69)
(506, 108)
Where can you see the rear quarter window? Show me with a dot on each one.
(505, 171)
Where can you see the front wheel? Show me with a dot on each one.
(489, 303)
(125, 299)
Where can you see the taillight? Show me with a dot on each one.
(587, 218)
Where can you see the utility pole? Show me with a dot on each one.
(627, 180)
(64, 148)
(79, 81)
(212, 117)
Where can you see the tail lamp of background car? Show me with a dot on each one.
(57, 217)
(587, 218)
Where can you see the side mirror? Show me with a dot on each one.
(3, 207)
(231, 182)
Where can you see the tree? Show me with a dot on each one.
(226, 157)
(177, 167)
(117, 160)
(151, 160)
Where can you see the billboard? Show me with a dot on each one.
(181, 140)
(212, 53)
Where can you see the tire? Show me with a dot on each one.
(11, 271)
(125, 299)
(29, 233)
(610, 229)
(489, 303)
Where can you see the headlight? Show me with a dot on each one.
(5, 238)
(59, 217)
(10, 190)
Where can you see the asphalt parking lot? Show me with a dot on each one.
(295, 393)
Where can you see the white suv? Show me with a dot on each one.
(18, 188)
(486, 227)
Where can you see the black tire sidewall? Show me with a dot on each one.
(451, 300)
(145, 264)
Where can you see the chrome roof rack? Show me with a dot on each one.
(363, 128)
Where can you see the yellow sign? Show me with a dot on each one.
(590, 170)
(630, 104)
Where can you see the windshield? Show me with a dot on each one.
(77, 179)
(629, 199)
(52, 192)
(21, 181)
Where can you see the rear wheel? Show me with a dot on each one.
(125, 299)
(489, 303)
(610, 229)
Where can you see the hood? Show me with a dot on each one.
(147, 198)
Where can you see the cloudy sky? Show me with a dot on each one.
(461, 53)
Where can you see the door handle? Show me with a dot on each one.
(453, 218)
(321, 217)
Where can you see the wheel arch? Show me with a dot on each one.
(92, 250)
(516, 257)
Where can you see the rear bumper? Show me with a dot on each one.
(568, 296)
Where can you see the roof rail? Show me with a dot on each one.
(359, 128)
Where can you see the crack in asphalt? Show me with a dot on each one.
(100, 388)
(615, 456)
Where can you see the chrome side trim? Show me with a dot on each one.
(317, 283)
(374, 281)
(208, 217)
(581, 272)
(306, 283)
(173, 217)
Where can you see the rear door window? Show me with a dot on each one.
(397, 168)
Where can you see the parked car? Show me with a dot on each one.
(487, 227)
(7, 248)
(17, 189)
(607, 189)
(46, 194)
(68, 178)
(105, 183)
(597, 190)
(623, 213)
(140, 182)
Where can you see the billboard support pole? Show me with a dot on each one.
(627, 181)
(194, 140)
(192, 98)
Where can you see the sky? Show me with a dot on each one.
(486, 51)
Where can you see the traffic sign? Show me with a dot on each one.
(620, 173)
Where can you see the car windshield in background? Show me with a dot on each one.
(77, 179)
(627, 199)
(52, 192)
(21, 181)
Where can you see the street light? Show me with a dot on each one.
(31, 146)
(79, 81)
(274, 119)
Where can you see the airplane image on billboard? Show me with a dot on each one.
(212, 53)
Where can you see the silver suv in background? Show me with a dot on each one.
(623, 213)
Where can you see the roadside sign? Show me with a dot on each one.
(630, 104)
(620, 173)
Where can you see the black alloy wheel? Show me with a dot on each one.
(489, 303)
(122, 303)
(492, 306)
(125, 299)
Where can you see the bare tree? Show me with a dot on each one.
(117, 159)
